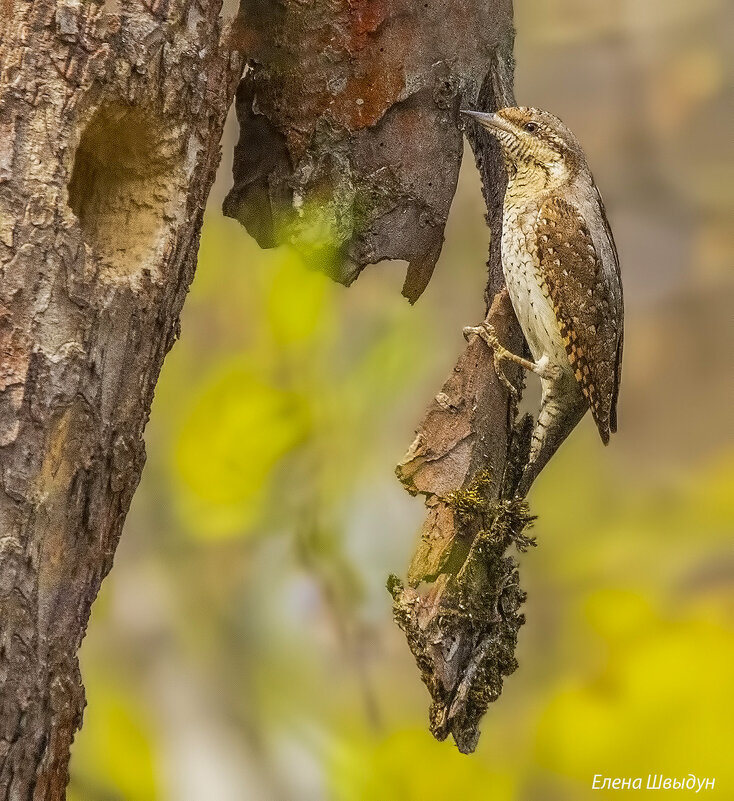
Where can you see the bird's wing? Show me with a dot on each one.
(585, 308)
(619, 309)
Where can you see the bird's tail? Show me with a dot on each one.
(559, 415)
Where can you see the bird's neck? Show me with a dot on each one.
(530, 181)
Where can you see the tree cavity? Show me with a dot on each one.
(126, 188)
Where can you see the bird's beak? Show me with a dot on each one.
(490, 121)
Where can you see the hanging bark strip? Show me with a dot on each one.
(348, 117)
(110, 126)
(349, 124)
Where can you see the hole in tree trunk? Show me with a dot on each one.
(125, 187)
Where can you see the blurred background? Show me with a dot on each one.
(243, 647)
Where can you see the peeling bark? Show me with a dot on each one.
(348, 120)
(109, 139)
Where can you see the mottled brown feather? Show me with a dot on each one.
(584, 306)
(620, 308)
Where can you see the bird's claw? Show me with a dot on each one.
(486, 332)
(470, 330)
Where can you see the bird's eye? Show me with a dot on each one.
(531, 127)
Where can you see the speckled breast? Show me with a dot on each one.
(531, 303)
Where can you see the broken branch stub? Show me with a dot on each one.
(349, 145)
(461, 609)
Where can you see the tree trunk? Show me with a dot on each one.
(110, 122)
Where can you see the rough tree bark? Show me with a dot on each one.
(110, 122)
(350, 107)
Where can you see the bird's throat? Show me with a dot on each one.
(526, 180)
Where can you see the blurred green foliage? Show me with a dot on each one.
(293, 389)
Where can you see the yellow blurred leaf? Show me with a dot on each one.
(113, 755)
(657, 705)
(409, 765)
(296, 300)
(239, 429)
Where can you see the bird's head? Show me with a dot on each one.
(535, 143)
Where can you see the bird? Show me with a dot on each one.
(561, 269)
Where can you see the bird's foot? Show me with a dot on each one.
(499, 353)
(542, 367)
(486, 332)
